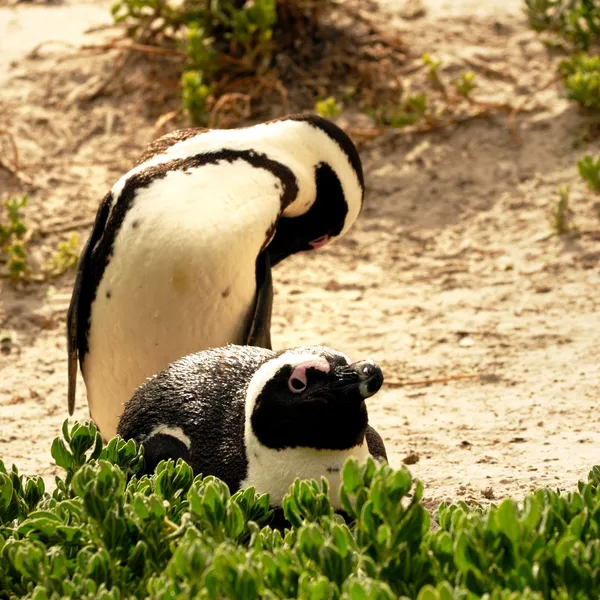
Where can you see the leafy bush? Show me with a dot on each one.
(581, 78)
(577, 21)
(236, 37)
(107, 532)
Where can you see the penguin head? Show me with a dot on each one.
(338, 190)
(311, 397)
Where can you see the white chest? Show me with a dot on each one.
(181, 278)
(274, 471)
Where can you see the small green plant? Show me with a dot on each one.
(14, 246)
(466, 83)
(195, 96)
(328, 108)
(411, 111)
(561, 215)
(589, 169)
(12, 232)
(581, 78)
(433, 70)
(65, 257)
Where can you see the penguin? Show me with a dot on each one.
(254, 417)
(180, 255)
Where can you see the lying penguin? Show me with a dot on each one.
(180, 255)
(254, 417)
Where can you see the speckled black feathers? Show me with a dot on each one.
(203, 394)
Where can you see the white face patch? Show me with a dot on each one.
(268, 371)
(296, 144)
(175, 432)
(273, 471)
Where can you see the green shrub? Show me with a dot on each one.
(107, 532)
(577, 21)
(581, 77)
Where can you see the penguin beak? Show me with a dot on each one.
(364, 375)
(370, 377)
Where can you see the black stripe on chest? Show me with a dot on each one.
(102, 252)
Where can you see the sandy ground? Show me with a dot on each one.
(449, 271)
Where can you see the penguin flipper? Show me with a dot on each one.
(259, 333)
(375, 444)
(76, 329)
(162, 446)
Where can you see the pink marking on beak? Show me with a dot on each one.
(319, 242)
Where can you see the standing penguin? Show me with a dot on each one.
(180, 255)
(254, 417)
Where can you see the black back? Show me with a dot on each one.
(204, 395)
(84, 292)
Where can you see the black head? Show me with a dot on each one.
(313, 400)
(339, 186)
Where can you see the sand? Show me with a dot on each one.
(449, 271)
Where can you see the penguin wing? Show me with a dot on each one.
(375, 444)
(259, 333)
(76, 325)
(162, 446)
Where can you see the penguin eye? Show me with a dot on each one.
(296, 385)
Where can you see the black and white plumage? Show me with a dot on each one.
(180, 255)
(254, 417)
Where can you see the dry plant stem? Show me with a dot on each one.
(15, 168)
(400, 383)
(164, 119)
(67, 226)
(222, 102)
(135, 47)
(481, 66)
(511, 111)
(120, 63)
(15, 150)
(29, 278)
(34, 52)
(554, 80)
(102, 27)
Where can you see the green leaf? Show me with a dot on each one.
(507, 520)
(61, 455)
(351, 478)
(428, 592)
